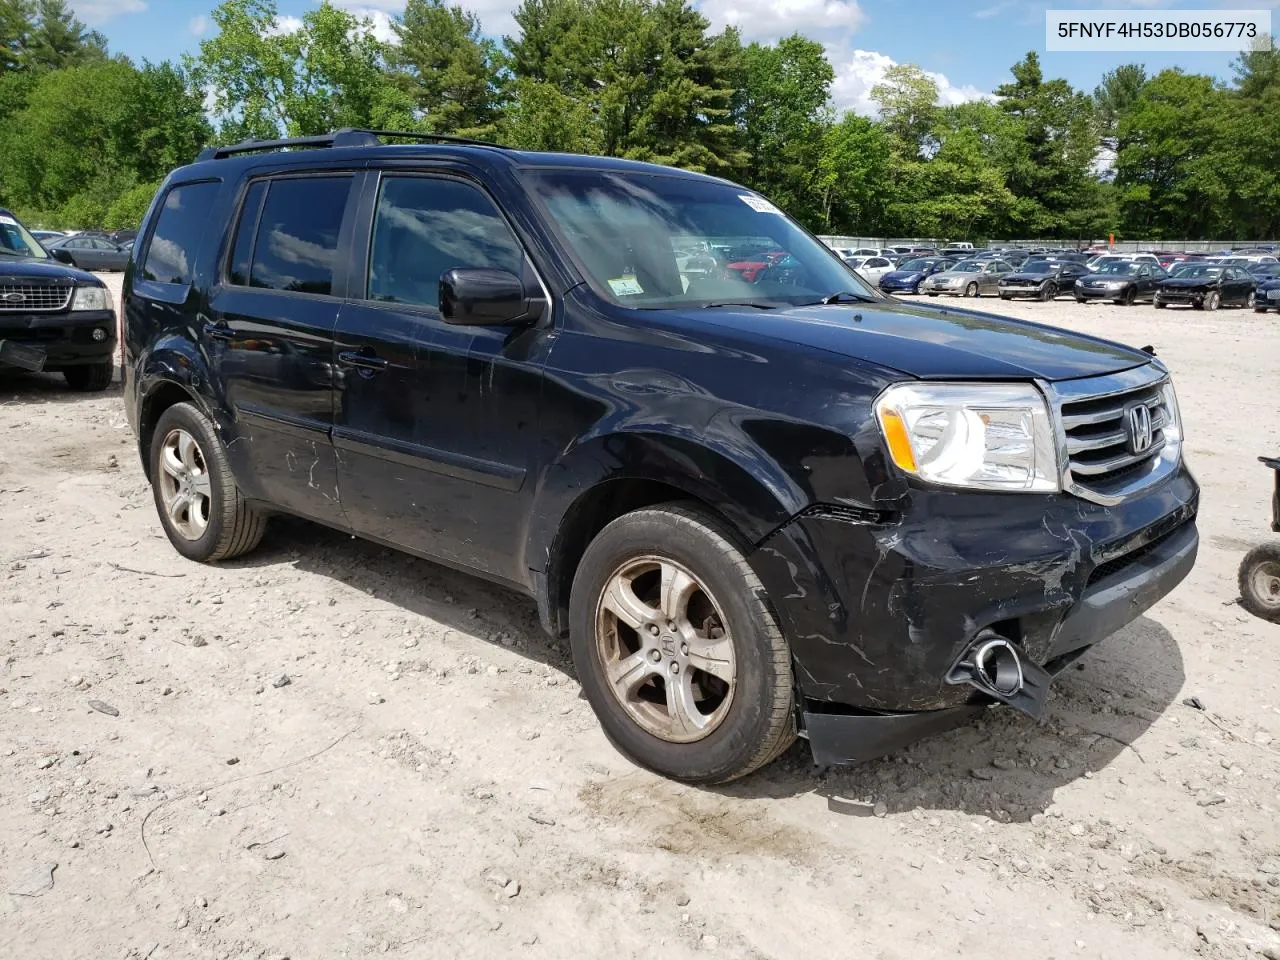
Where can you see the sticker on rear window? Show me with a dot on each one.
(625, 287)
(758, 204)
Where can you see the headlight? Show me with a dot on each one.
(992, 436)
(91, 298)
(1115, 284)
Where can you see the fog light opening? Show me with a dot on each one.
(99, 334)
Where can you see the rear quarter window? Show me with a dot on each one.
(180, 231)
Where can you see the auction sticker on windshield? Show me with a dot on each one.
(758, 204)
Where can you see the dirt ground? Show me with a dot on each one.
(330, 750)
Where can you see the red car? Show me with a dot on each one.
(751, 269)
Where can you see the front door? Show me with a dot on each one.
(269, 338)
(436, 425)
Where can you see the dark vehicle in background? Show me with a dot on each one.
(1206, 286)
(1122, 281)
(1266, 294)
(1041, 279)
(89, 253)
(908, 277)
(968, 278)
(52, 317)
(47, 236)
(1259, 573)
(755, 509)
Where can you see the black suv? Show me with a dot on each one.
(758, 506)
(52, 316)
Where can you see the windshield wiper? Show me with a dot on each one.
(843, 296)
(740, 303)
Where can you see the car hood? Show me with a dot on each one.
(1188, 283)
(904, 275)
(1035, 277)
(935, 343)
(1100, 279)
(15, 267)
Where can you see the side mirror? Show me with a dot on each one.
(61, 255)
(482, 297)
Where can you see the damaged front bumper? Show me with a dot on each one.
(882, 611)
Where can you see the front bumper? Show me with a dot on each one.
(953, 291)
(1021, 291)
(1180, 297)
(66, 338)
(1096, 293)
(902, 286)
(878, 609)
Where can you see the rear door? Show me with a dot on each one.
(436, 425)
(269, 337)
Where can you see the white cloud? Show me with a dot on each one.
(380, 18)
(495, 15)
(198, 26)
(94, 12)
(283, 25)
(770, 19)
(857, 71)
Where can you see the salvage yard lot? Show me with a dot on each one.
(330, 750)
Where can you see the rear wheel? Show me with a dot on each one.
(676, 648)
(1259, 580)
(91, 377)
(200, 506)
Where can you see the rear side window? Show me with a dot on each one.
(425, 226)
(296, 244)
(181, 227)
(242, 250)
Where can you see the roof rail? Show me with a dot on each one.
(346, 137)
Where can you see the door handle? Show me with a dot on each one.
(362, 361)
(218, 331)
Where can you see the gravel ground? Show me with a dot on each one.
(330, 750)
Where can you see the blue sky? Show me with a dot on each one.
(968, 45)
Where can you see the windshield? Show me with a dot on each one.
(919, 265)
(1118, 268)
(1189, 270)
(15, 241)
(624, 229)
(1039, 266)
(966, 267)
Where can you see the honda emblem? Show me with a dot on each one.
(1140, 432)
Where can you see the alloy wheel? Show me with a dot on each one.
(184, 484)
(666, 649)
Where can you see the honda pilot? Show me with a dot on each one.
(759, 506)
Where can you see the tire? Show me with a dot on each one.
(1080, 299)
(1005, 296)
(1259, 309)
(1049, 293)
(971, 290)
(932, 294)
(219, 523)
(1259, 580)
(91, 377)
(1160, 305)
(1251, 301)
(1213, 300)
(751, 719)
(1127, 299)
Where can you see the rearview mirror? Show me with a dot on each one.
(483, 297)
(62, 256)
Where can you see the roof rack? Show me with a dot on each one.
(346, 137)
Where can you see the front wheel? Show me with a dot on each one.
(676, 648)
(1160, 304)
(971, 290)
(90, 377)
(1212, 301)
(200, 506)
(1127, 299)
(1049, 292)
(1251, 300)
(1259, 580)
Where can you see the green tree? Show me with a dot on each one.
(853, 163)
(908, 102)
(1115, 96)
(60, 40)
(448, 68)
(329, 73)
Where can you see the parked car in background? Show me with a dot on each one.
(969, 278)
(53, 317)
(957, 249)
(90, 253)
(1105, 258)
(907, 277)
(1206, 286)
(47, 236)
(1015, 258)
(871, 268)
(1266, 293)
(1123, 281)
(1042, 279)
(1247, 261)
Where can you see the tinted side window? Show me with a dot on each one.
(181, 227)
(242, 249)
(425, 226)
(297, 240)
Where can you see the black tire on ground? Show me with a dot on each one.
(1127, 299)
(932, 294)
(1079, 299)
(971, 290)
(91, 377)
(1259, 309)
(1258, 578)
(235, 527)
(1049, 292)
(1212, 300)
(1005, 296)
(759, 723)
(1160, 305)
(1251, 300)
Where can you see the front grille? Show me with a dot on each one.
(33, 297)
(1100, 453)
